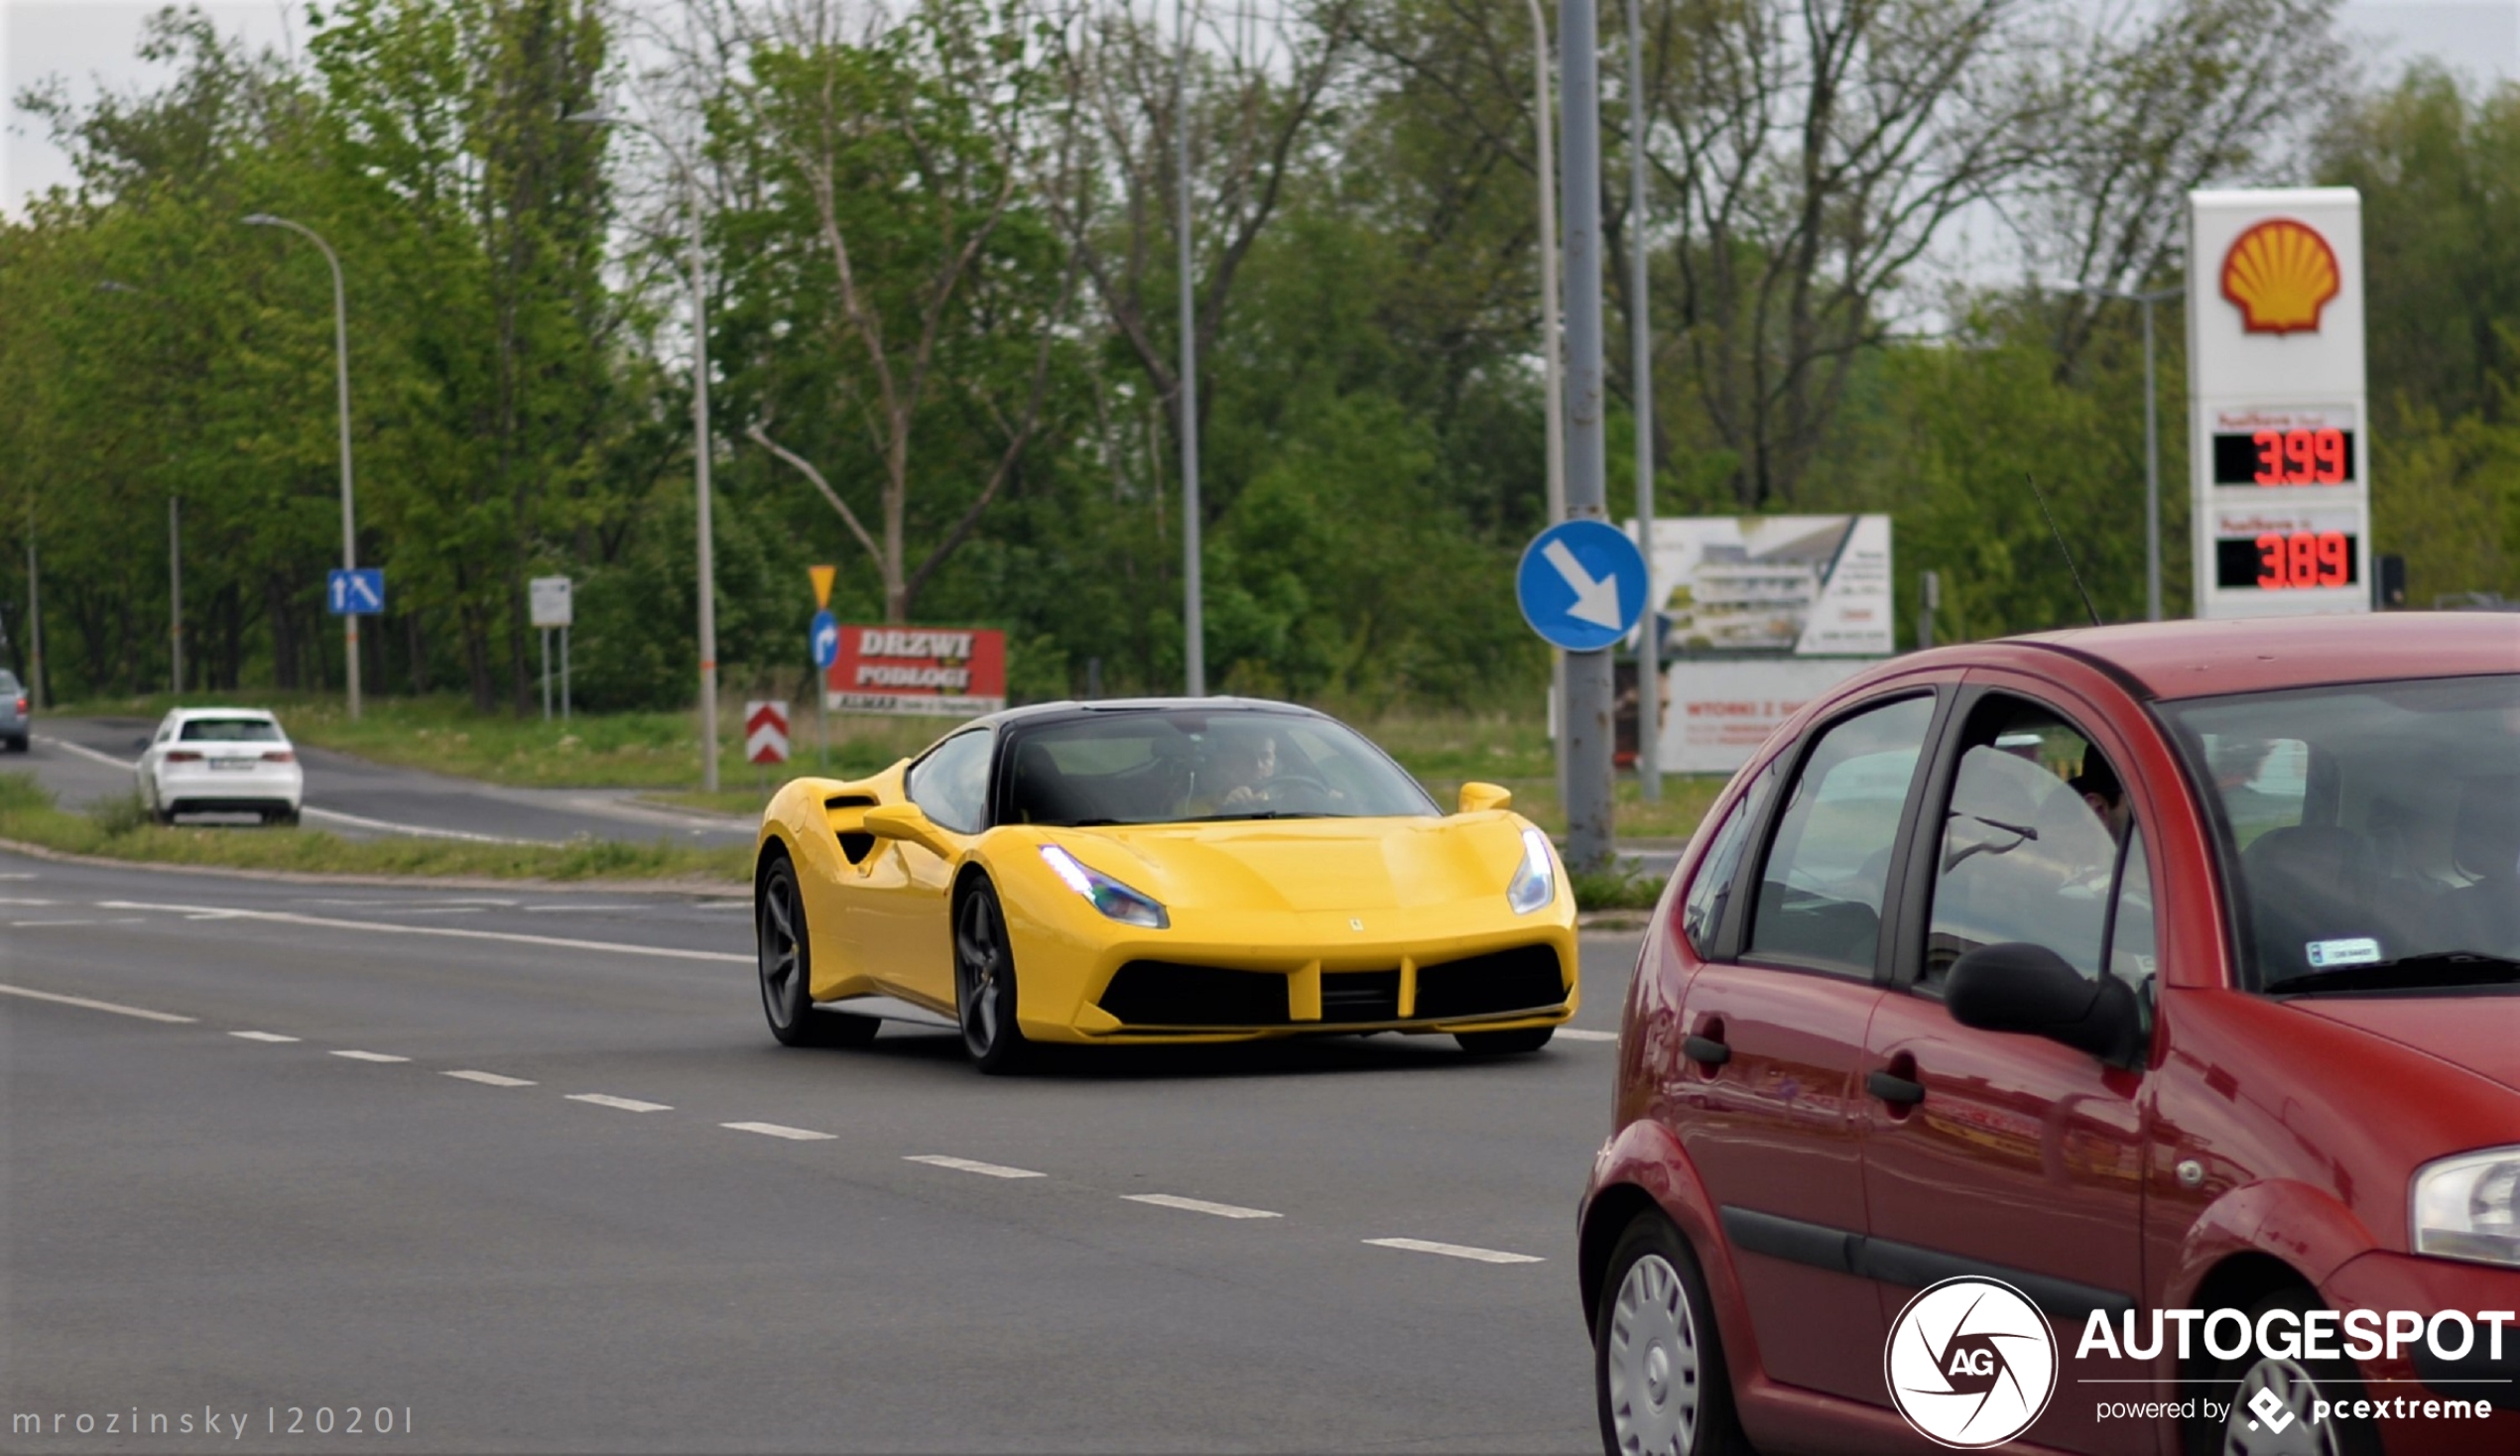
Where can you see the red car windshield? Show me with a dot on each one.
(2372, 831)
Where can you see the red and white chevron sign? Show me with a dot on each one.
(766, 732)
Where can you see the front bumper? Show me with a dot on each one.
(2420, 1386)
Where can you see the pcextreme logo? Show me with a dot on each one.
(2280, 275)
(1970, 1362)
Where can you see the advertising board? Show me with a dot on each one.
(2278, 421)
(939, 672)
(1802, 586)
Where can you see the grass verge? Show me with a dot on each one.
(120, 828)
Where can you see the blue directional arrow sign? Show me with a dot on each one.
(358, 593)
(1582, 585)
(826, 636)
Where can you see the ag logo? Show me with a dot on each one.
(1970, 1362)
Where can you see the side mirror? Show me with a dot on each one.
(906, 821)
(2020, 986)
(1476, 795)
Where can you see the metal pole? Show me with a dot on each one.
(563, 675)
(1551, 353)
(34, 621)
(1587, 701)
(1649, 647)
(1194, 618)
(700, 473)
(547, 674)
(2152, 477)
(341, 367)
(175, 594)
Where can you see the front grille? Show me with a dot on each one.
(1161, 993)
(1360, 996)
(1524, 978)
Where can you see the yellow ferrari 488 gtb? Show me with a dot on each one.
(1167, 870)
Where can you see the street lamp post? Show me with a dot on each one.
(341, 364)
(2152, 444)
(1589, 698)
(1649, 646)
(700, 434)
(1193, 607)
(1552, 349)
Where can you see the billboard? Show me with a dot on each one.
(1805, 586)
(1716, 711)
(2279, 434)
(937, 671)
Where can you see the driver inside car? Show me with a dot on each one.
(1238, 770)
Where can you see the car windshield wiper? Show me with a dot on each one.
(2432, 971)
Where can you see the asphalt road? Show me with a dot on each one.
(85, 759)
(527, 1172)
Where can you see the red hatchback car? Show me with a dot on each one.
(2167, 977)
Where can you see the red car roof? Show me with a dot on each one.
(2200, 659)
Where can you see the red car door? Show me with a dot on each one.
(2004, 1155)
(1775, 1027)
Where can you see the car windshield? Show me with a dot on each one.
(230, 730)
(2373, 830)
(1177, 766)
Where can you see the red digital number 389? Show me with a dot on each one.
(2304, 558)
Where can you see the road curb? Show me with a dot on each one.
(696, 889)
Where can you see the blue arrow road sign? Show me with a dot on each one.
(359, 593)
(1582, 585)
(827, 639)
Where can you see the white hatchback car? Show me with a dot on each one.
(221, 761)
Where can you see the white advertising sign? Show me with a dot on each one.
(548, 601)
(1806, 585)
(1721, 710)
(2278, 419)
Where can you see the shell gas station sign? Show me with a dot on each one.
(2277, 408)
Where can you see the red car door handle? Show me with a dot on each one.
(1896, 1090)
(1706, 1051)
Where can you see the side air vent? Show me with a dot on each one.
(1157, 993)
(1524, 978)
(857, 844)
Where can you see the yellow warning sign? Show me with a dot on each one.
(822, 585)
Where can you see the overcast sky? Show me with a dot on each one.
(90, 43)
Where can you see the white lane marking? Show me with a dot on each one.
(537, 910)
(371, 1057)
(30, 902)
(84, 751)
(490, 1079)
(435, 909)
(774, 1130)
(1579, 1034)
(423, 831)
(272, 1036)
(19, 875)
(1200, 1205)
(389, 927)
(626, 1104)
(80, 1001)
(35, 925)
(966, 1166)
(1457, 1251)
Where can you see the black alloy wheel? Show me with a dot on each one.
(984, 983)
(787, 969)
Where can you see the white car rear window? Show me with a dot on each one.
(231, 730)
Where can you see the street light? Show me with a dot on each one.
(2152, 443)
(1193, 593)
(342, 362)
(174, 548)
(700, 434)
(1551, 353)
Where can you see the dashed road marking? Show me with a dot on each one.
(1200, 1205)
(1457, 1251)
(490, 1079)
(389, 927)
(1579, 1034)
(419, 830)
(33, 924)
(966, 1166)
(83, 1003)
(37, 902)
(271, 1037)
(626, 1104)
(371, 1057)
(774, 1130)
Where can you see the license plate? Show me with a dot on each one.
(235, 763)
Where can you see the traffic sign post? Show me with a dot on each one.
(549, 599)
(824, 638)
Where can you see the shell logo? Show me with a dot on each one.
(2280, 274)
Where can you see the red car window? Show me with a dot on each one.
(1820, 887)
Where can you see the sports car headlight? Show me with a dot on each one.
(1536, 878)
(1109, 895)
(2468, 1207)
